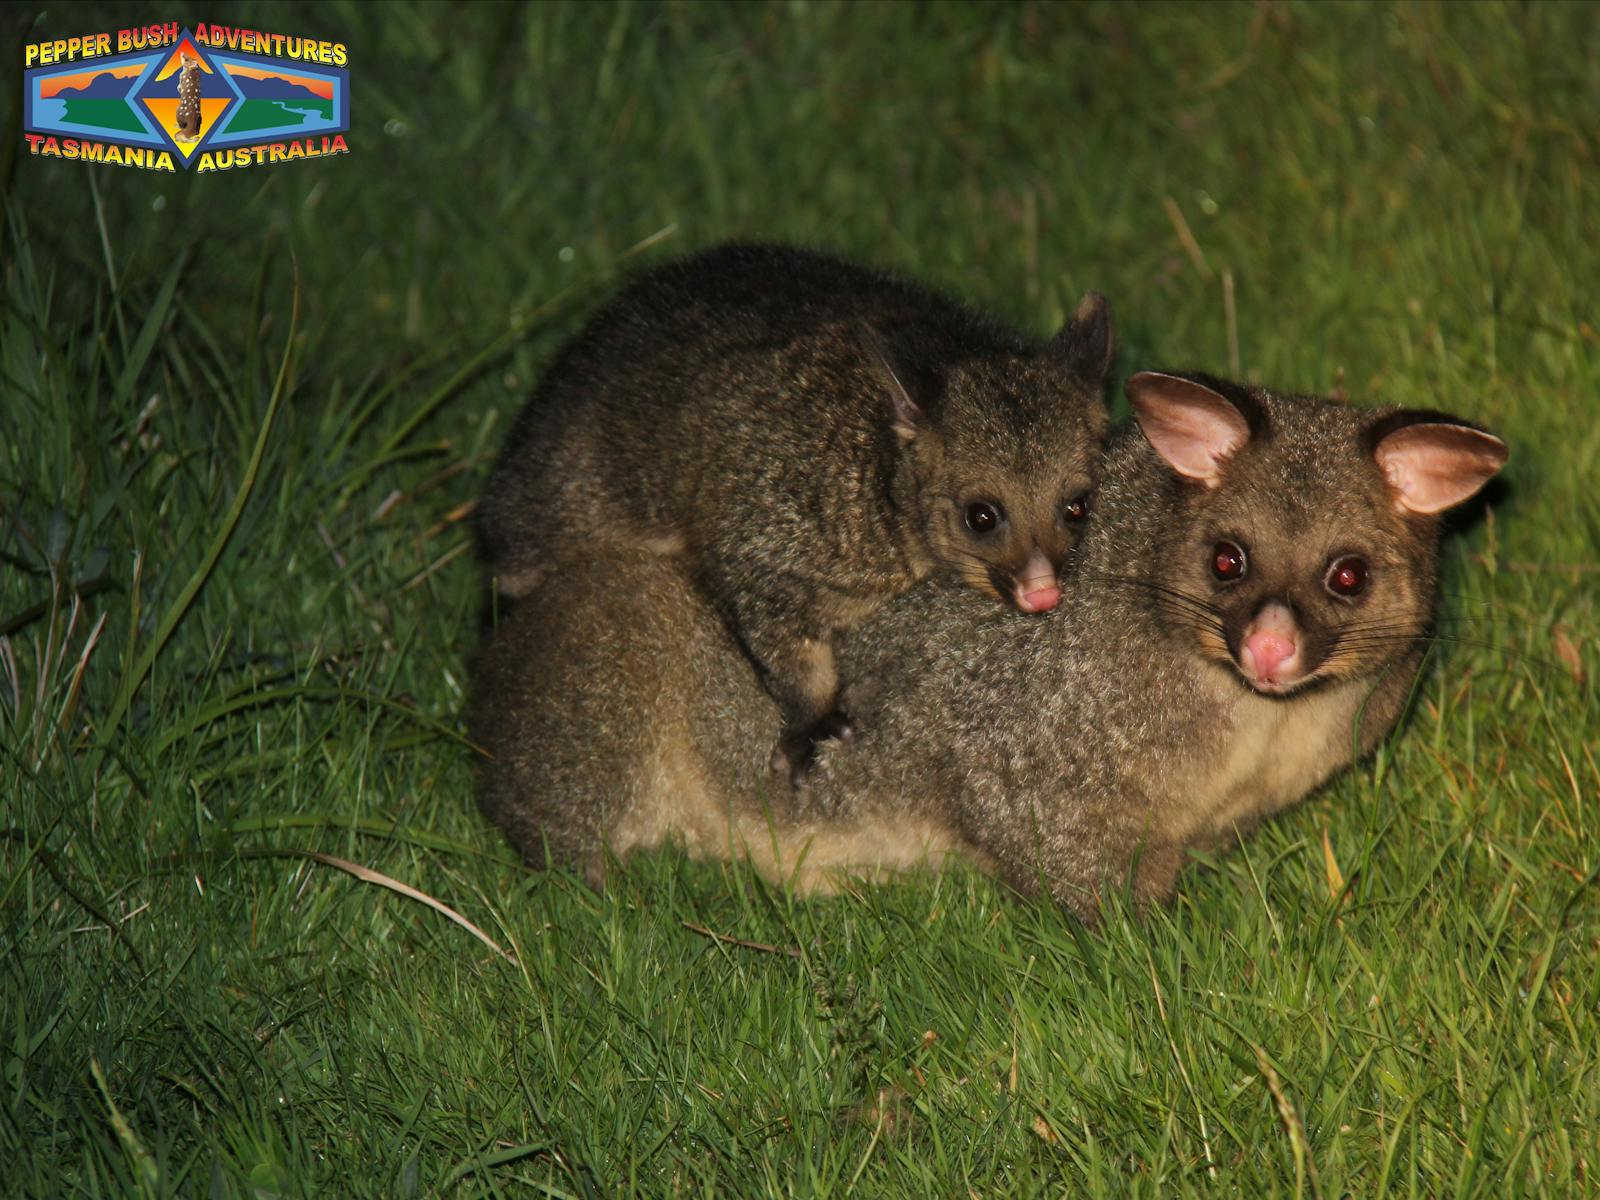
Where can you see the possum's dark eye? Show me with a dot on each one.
(1075, 509)
(1228, 562)
(1347, 576)
(985, 516)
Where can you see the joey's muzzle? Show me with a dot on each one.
(1035, 588)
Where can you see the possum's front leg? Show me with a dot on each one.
(808, 694)
(794, 652)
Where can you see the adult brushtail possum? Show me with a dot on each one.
(1253, 604)
(1254, 595)
(810, 438)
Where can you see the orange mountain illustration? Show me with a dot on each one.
(176, 61)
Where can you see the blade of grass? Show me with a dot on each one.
(369, 827)
(133, 366)
(206, 714)
(144, 1164)
(175, 613)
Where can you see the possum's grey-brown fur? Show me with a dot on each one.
(808, 437)
(1105, 738)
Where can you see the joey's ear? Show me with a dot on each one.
(1194, 428)
(909, 419)
(1085, 341)
(1432, 464)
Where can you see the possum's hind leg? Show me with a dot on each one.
(615, 714)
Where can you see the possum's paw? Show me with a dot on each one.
(796, 752)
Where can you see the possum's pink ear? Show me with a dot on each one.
(909, 420)
(1194, 428)
(1433, 465)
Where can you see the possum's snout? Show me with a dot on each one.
(1035, 588)
(1269, 653)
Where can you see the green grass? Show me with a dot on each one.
(236, 610)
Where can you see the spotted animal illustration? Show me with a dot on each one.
(189, 99)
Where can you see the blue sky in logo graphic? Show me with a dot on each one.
(49, 115)
(302, 117)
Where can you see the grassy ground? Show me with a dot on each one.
(236, 605)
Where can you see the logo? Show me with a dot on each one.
(215, 98)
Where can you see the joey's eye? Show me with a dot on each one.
(1347, 576)
(1228, 561)
(1075, 509)
(985, 516)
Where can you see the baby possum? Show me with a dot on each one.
(1253, 598)
(810, 438)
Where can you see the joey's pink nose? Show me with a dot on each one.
(1037, 589)
(1039, 600)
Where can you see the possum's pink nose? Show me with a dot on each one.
(1039, 600)
(1270, 653)
(1037, 589)
(1266, 653)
